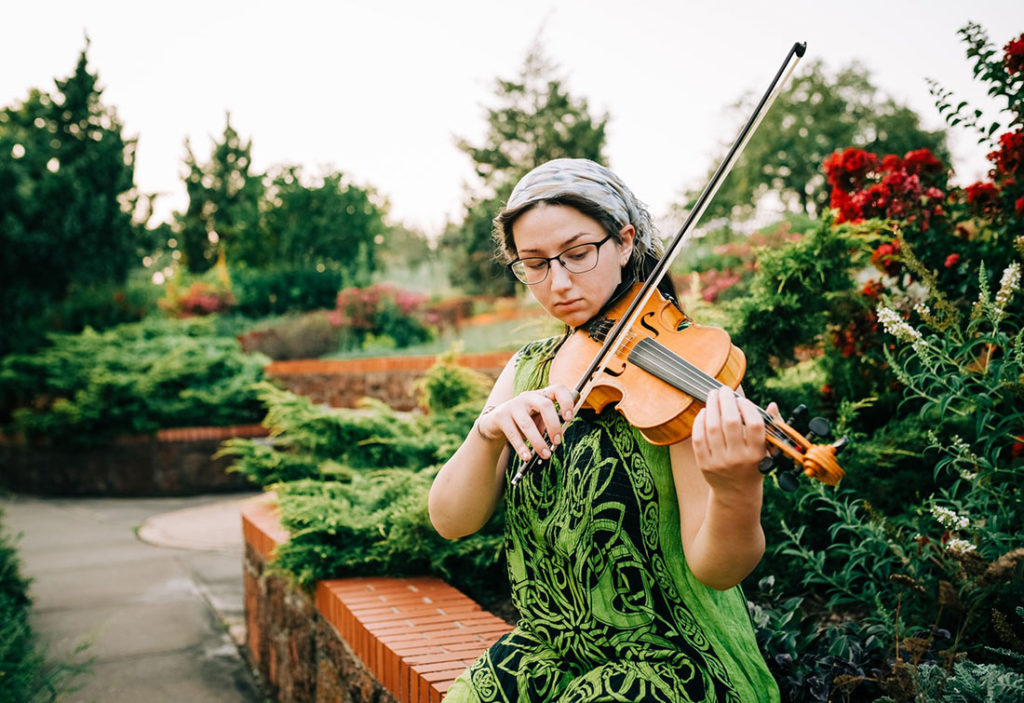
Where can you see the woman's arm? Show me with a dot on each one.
(466, 490)
(720, 490)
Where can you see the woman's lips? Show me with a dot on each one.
(568, 304)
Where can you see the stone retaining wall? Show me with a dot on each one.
(355, 640)
(173, 462)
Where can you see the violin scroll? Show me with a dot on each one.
(817, 461)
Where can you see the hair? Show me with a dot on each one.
(642, 260)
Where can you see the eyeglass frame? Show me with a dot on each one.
(558, 257)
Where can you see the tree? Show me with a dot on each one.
(223, 205)
(333, 223)
(816, 115)
(67, 195)
(536, 119)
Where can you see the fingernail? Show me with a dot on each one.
(545, 453)
(556, 441)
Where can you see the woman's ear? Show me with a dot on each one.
(626, 236)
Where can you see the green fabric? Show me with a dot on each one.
(609, 610)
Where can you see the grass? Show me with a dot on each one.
(503, 335)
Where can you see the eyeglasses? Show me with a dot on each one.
(576, 259)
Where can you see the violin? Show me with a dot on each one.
(658, 370)
(660, 378)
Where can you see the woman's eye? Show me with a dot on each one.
(576, 255)
(535, 264)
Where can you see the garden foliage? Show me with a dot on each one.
(131, 379)
(352, 484)
(904, 584)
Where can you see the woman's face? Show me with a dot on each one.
(573, 298)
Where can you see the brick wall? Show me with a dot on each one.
(340, 383)
(172, 462)
(372, 640)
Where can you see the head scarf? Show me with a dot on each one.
(591, 181)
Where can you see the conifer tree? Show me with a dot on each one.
(535, 119)
(67, 195)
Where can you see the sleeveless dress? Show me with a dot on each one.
(609, 610)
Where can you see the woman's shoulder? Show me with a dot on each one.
(530, 363)
(536, 350)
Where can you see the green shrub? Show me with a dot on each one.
(353, 483)
(132, 379)
(281, 289)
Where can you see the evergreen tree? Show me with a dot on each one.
(535, 120)
(816, 115)
(331, 223)
(223, 205)
(67, 196)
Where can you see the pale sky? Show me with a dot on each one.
(380, 89)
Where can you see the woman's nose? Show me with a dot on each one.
(560, 276)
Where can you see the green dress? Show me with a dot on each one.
(609, 609)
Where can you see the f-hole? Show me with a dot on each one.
(643, 322)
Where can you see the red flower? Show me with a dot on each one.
(1010, 155)
(884, 258)
(952, 260)
(1019, 207)
(922, 161)
(1014, 58)
(983, 196)
(872, 289)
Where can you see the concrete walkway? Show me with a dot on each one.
(153, 586)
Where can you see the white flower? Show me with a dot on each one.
(959, 546)
(948, 519)
(897, 326)
(1008, 285)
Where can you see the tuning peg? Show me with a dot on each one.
(841, 444)
(818, 427)
(768, 464)
(798, 415)
(787, 481)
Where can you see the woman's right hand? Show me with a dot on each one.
(523, 420)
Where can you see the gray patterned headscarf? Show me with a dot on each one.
(586, 180)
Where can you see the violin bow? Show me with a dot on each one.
(618, 334)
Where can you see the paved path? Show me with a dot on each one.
(162, 617)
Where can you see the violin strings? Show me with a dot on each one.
(662, 362)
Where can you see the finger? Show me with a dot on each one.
(698, 434)
(515, 438)
(773, 410)
(733, 432)
(545, 416)
(526, 425)
(752, 421)
(566, 399)
(713, 424)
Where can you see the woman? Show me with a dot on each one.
(624, 557)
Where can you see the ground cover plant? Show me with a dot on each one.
(352, 485)
(136, 378)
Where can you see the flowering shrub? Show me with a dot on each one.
(198, 299)
(381, 314)
(907, 580)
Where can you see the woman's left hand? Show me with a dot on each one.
(729, 440)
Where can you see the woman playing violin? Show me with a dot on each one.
(624, 557)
